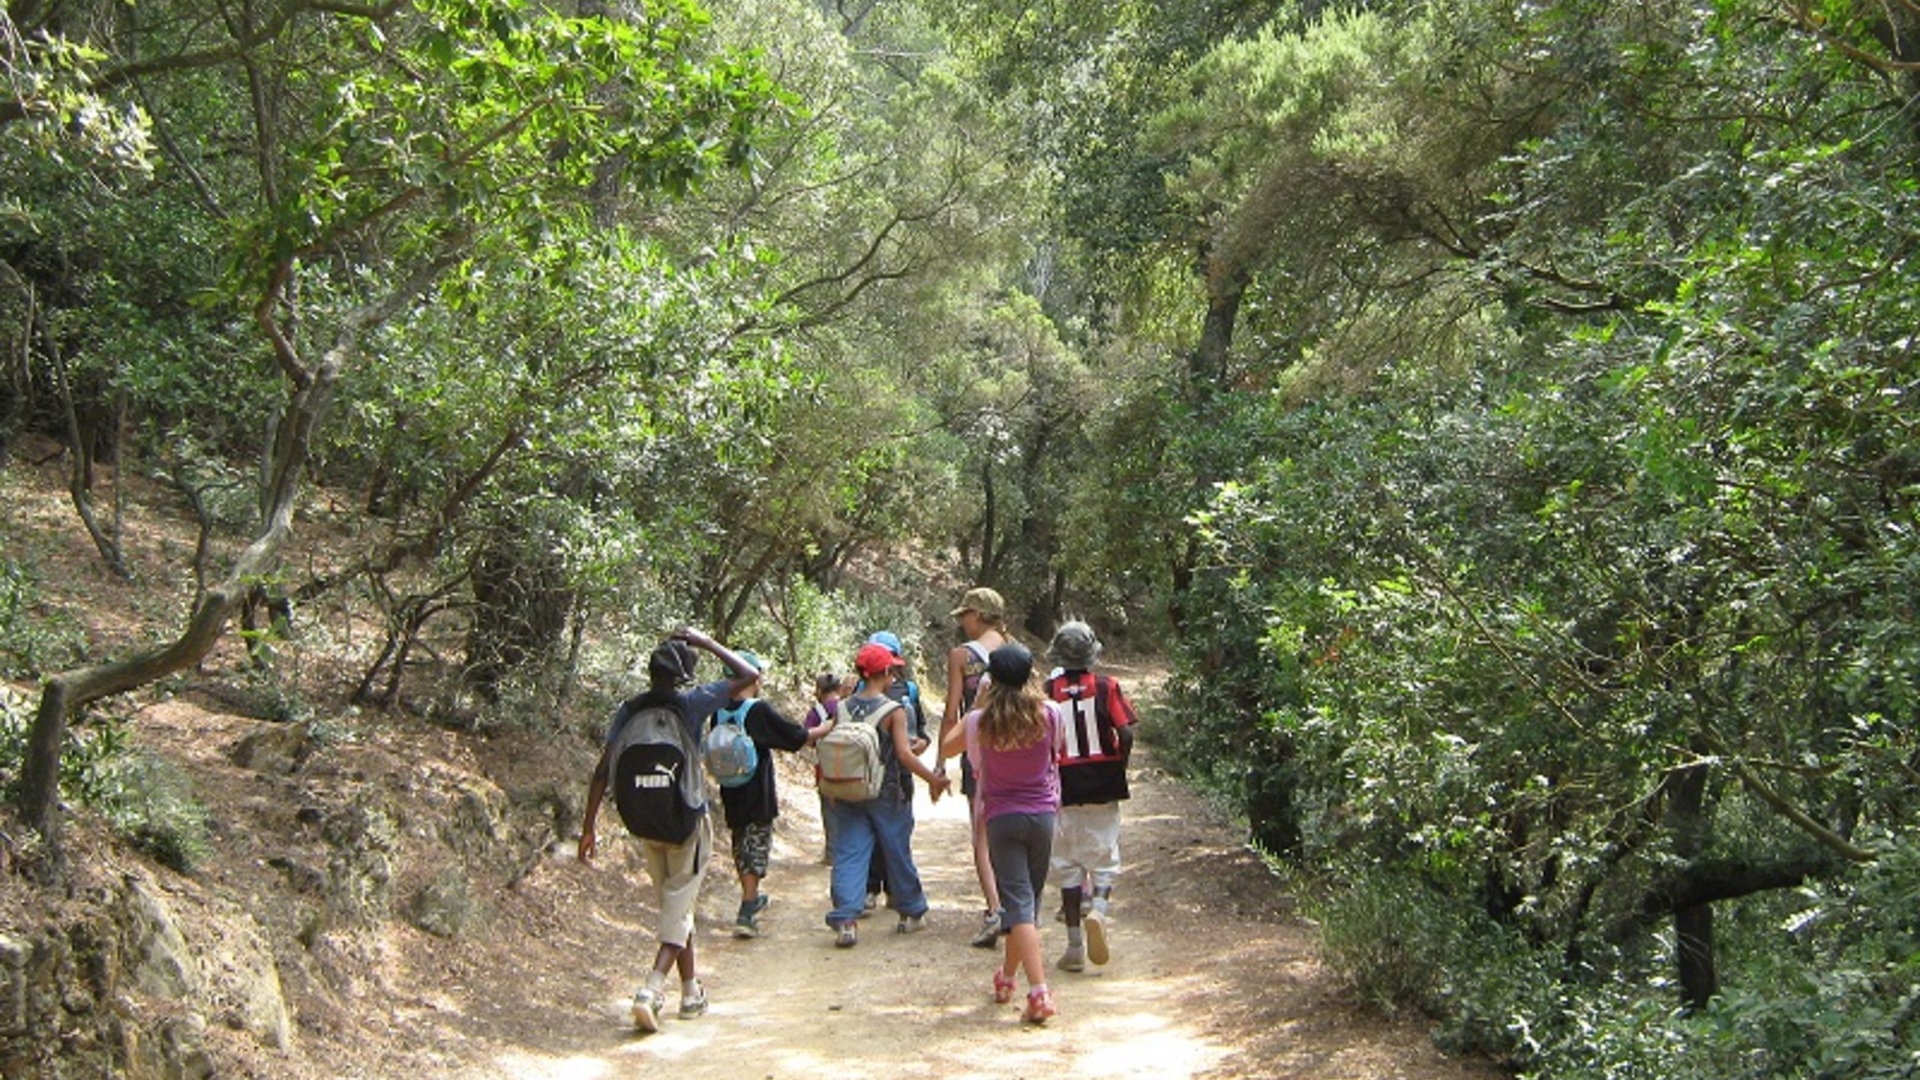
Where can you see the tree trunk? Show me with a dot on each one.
(311, 391)
(989, 525)
(61, 694)
(1692, 922)
(82, 437)
(1206, 380)
(1225, 291)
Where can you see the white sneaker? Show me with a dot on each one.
(696, 1005)
(1074, 959)
(1095, 924)
(646, 1009)
(911, 924)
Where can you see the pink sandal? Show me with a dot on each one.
(1039, 1006)
(1002, 987)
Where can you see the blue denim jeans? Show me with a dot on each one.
(858, 828)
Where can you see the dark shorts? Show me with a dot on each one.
(1020, 847)
(752, 846)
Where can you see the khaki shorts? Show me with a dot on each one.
(1086, 843)
(677, 870)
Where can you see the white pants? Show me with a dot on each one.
(1086, 844)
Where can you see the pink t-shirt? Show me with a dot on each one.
(1024, 780)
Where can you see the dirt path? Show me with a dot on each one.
(1211, 975)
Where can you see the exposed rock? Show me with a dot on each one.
(171, 1049)
(245, 983)
(365, 843)
(445, 906)
(275, 748)
(183, 1049)
(13, 985)
(472, 827)
(162, 964)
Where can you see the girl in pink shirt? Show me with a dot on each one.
(1010, 742)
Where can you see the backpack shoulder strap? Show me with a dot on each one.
(631, 709)
(971, 722)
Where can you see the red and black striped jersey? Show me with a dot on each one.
(1096, 738)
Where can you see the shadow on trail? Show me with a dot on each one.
(791, 1005)
(1212, 974)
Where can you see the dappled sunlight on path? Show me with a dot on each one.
(790, 1005)
(1211, 976)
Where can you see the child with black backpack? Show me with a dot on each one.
(752, 802)
(651, 763)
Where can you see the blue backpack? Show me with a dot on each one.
(728, 750)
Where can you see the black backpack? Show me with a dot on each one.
(655, 772)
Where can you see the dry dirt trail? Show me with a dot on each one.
(1211, 974)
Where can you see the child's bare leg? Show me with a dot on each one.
(983, 866)
(1023, 952)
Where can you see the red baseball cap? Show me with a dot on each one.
(873, 660)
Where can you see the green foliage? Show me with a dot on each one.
(462, 104)
(1515, 404)
(802, 631)
(149, 802)
(1829, 990)
(83, 769)
(1644, 508)
(32, 640)
(273, 696)
(1402, 943)
(48, 78)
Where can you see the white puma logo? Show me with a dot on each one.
(664, 775)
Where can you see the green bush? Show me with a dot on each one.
(149, 802)
(84, 766)
(32, 640)
(1402, 944)
(1830, 990)
(151, 805)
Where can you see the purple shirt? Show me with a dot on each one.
(1024, 780)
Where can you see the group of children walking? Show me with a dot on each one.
(1043, 766)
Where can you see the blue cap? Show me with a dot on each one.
(887, 638)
